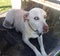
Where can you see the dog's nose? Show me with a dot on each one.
(45, 28)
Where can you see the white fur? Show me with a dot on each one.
(16, 17)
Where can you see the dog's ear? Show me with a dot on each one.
(26, 16)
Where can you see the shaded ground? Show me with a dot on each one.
(11, 43)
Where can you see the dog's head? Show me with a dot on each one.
(37, 19)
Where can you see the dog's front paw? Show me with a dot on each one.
(44, 55)
(38, 54)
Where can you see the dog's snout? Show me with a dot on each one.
(45, 28)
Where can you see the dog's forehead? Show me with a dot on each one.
(37, 11)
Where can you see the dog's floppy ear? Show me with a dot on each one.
(26, 16)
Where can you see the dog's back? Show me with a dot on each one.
(15, 16)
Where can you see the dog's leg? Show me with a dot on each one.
(26, 40)
(40, 40)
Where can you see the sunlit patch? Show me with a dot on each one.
(57, 53)
(58, 0)
(16, 4)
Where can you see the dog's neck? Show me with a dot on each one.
(30, 32)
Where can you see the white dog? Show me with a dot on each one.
(31, 23)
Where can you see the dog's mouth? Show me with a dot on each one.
(45, 29)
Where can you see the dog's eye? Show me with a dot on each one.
(36, 18)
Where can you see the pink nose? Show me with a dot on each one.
(45, 28)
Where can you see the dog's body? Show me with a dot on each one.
(30, 23)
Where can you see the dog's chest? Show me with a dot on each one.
(29, 32)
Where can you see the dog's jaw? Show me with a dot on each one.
(29, 32)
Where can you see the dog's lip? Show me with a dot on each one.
(39, 33)
(45, 31)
